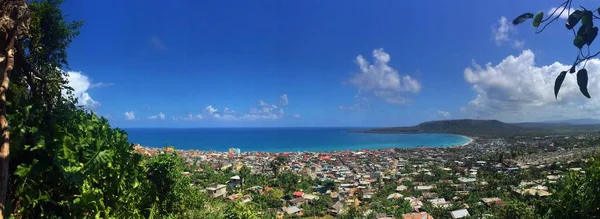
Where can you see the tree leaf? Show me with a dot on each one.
(558, 83)
(538, 19)
(22, 170)
(591, 36)
(573, 19)
(522, 18)
(586, 18)
(582, 30)
(579, 42)
(582, 80)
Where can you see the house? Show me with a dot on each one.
(439, 202)
(310, 198)
(493, 201)
(459, 213)
(298, 193)
(296, 201)
(401, 188)
(293, 210)
(419, 215)
(395, 196)
(423, 188)
(466, 180)
(216, 191)
(414, 202)
(235, 181)
(336, 209)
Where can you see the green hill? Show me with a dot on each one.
(473, 127)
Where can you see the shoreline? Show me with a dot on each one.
(468, 142)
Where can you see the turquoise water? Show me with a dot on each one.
(284, 139)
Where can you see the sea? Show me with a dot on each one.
(284, 139)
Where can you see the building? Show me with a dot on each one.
(420, 215)
(459, 213)
(216, 191)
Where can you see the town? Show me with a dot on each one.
(473, 180)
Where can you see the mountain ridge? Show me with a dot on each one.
(483, 128)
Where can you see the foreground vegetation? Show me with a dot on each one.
(66, 162)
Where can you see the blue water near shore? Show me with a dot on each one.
(284, 139)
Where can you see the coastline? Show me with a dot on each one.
(356, 150)
(471, 140)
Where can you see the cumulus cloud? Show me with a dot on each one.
(81, 84)
(296, 116)
(130, 115)
(516, 89)
(564, 15)
(502, 32)
(264, 111)
(381, 80)
(444, 114)
(283, 100)
(160, 116)
(360, 104)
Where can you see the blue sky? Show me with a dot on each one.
(338, 63)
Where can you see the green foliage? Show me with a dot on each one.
(516, 209)
(586, 34)
(522, 18)
(558, 83)
(577, 195)
(538, 19)
(238, 210)
(167, 183)
(582, 81)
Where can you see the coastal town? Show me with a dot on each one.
(473, 180)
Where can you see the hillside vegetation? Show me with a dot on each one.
(474, 127)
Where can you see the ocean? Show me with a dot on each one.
(283, 139)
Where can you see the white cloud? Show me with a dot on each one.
(130, 115)
(160, 116)
(296, 116)
(264, 111)
(360, 104)
(518, 44)
(564, 15)
(210, 109)
(444, 114)
(190, 116)
(382, 80)
(502, 32)
(81, 84)
(101, 84)
(517, 90)
(283, 100)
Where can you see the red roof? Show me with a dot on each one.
(298, 193)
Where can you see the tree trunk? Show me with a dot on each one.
(13, 23)
(9, 60)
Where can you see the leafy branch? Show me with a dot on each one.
(583, 37)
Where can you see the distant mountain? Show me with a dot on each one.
(576, 121)
(474, 127)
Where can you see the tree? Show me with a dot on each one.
(577, 195)
(516, 209)
(584, 36)
(240, 211)
(168, 184)
(13, 27)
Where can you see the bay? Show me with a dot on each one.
(283, 139)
